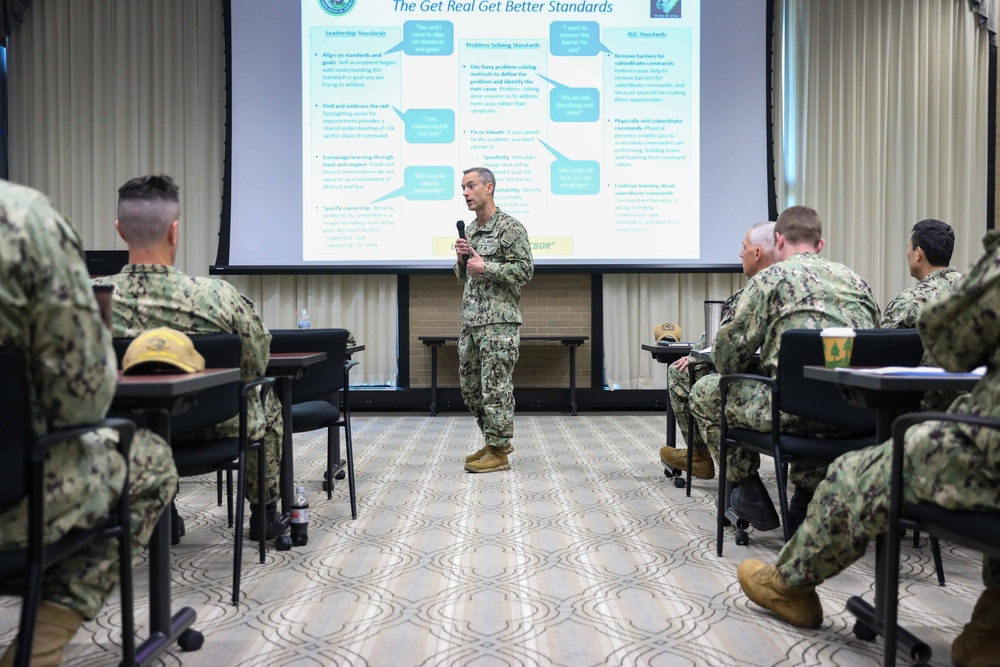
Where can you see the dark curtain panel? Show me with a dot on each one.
(11, 16)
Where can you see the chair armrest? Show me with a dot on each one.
(265, 381)
(349, 364)
(771, 385)
(899, 428)
(125, 428)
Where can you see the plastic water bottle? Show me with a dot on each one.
(304, 322)
(300, 518)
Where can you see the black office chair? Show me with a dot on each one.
(979, 531)
(211, 407)
(321, 397)
(23, 475)
(823, 402)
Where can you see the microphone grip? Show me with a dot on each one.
(460, 225)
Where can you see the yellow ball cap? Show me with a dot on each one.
(162, 349)
(667, 331)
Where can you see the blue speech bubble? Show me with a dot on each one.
(427, 38)
(425, 184)
(575, 38)
(573, 105)
(576, 177)
(428, 126)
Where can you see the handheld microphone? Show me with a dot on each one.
(460, 225)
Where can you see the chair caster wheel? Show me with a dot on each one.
(679, 482)
(863, 632)
(726, 522)
(742, 524)
(190, 640)
(283, 543)
(341, 475)
(327, 486)
(742, 537)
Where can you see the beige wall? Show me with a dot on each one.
(550, 304)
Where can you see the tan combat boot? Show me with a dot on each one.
(702, 465)
(979, 643)
(762, 583)
(54, 628)
(482, 452)
(494, 460)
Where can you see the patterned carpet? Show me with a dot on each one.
(583, 554)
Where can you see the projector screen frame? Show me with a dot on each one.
(222, 265)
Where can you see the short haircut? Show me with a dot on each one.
(762, 234)
(146, 207)
(800, 224)
(936, 239)
(485, 176)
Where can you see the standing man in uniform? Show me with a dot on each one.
(757, 254)
(953, 465)
(494, 263)
(48, 310)
(150, 293)
(801, 291)
(928, 254)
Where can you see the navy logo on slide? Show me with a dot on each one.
(337, 7)
(665, 9)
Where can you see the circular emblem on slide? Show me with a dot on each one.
(337, 7)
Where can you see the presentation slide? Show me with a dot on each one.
(621, 134)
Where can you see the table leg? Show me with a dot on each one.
(287, 477)
(164, 628)
(572, 380)
(434, 379)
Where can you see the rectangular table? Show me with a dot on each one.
(888, 395)
(285, 367)
(571, 342)
(160, 396)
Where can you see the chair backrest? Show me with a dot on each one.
(824, 402)
(325, 379)
(18, 433)
(214, 405)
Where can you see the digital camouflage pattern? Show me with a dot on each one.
(47, 309)
(804, 291)
(488, 345)
(679, 381)
(147, 296)
(953, 465)
(487, 355)
(901, 313)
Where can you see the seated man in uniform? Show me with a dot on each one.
(48, 310)
(928, 254)
(757, 254)
(801, 291)
(953, 465)
(150, 293)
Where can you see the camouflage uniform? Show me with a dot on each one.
(901, 313)
(953, 465)
(147, 296)
(804, 291)
(47, 309)
(488, 344)
(679, 381)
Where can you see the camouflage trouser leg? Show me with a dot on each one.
(273, 434)
(487, 355)
(679, 390)
(851, 506)
(748, 406)
(84, 581)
